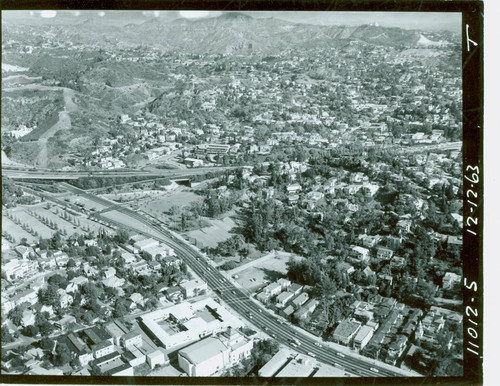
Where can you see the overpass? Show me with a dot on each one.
(60, 175)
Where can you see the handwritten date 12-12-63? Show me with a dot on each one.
(471, 196)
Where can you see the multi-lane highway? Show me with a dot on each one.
(59, 175)
(243, 305)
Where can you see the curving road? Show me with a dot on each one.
(244, 306)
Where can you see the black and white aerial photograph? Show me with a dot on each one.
(252, 194)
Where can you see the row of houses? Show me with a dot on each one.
(380, 328)
(112, 349)
(288, 298)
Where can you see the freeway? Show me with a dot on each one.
(244, 306)
(35, 174)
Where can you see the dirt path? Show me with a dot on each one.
(64, 122)
(42, 159)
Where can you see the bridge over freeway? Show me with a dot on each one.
(60, 175)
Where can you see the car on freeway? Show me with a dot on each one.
(311, 354)
(293, 344)
(274, 336)
(233, 292)
(340, 355)
(374, 369)
(318, 344)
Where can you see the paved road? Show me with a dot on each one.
(72, 175)
(244, 306)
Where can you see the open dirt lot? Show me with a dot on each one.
(256, 274)
(218, 231)
(181, 198)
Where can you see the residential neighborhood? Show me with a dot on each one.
(233, 195)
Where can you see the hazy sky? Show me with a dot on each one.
(410, 20)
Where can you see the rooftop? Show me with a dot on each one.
(346, 328)
(203, 350)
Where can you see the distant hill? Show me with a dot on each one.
(229, 33)
(234, 32)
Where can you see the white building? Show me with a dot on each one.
(192, 288)
(210, 355)
(363, 336)
(155, 358)
(144, 244)
(192, 321)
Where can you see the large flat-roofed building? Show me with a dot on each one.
(144, 244)
(193, 287)
(204, 358)
(213, 354)
(276, 363)
(213, 148)
(187, 322)
(160, 250)
(362, 338)
(283, 298)
(345, 331)
(300, 367)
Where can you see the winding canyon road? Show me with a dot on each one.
(242, 304)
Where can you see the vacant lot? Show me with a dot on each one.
(181, 198)
(218, 231)
(258, 273)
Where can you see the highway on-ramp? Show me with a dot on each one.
(243, 305)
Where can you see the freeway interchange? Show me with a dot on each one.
(240, 302)
(61, 175)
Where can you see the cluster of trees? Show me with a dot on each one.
(11, 193)
(437, 358)
(235, 245)
(101, 182)
(42, 324)
(216, 204)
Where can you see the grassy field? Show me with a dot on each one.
(219, 230)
